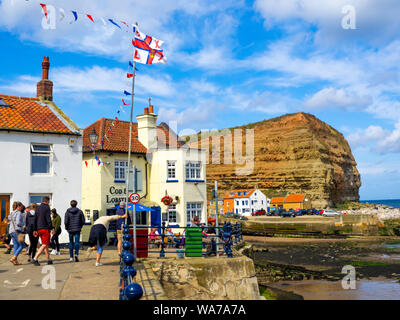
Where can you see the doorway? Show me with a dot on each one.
(4, 212)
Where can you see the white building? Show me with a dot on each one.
(41, 152)
(248, 201)
(175, 170)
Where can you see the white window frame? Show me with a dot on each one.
(193, 209)
(42, 153)
(172, 209)
(171, 165)
(117, 164)
(193, 170)
(41, 195)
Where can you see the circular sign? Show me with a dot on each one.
(134, 198)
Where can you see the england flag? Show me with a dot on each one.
(147, 49)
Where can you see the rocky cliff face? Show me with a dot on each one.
(295, 153)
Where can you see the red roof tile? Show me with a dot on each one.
(119, 140)
(277, 200)
(235, 193)
(27, 114)
(294, 198)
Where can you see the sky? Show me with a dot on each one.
(230, 62)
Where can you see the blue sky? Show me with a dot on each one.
(229, 63)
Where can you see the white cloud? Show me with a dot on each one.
(377, 139)
(336, 99)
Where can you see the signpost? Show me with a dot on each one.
(216, 216)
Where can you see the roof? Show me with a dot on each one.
(278, 200)
(293, 198)
(118, 141)
(243, 193)
(31, 115)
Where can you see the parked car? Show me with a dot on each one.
(301, 212)
(243, 218)
(288, 214)
(330, 213)
(259, 213)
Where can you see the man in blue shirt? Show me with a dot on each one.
(121, 211)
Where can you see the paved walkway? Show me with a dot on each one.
(74, 280)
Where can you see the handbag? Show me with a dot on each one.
(21, 235)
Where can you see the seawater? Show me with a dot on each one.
(395, 203)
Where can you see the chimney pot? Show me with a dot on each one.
(146, 110)
(151, 108)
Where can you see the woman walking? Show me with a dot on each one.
(30, 224)
(56, 221)
(17, 226)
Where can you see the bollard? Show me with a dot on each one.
(133, 291)
(162, 252)
(227, 228)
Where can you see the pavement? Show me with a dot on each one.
(66, 281)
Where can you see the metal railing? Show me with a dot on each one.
(229, 234)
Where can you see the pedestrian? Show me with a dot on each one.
(7, 236)
(43, 228)
(30, 226)
(24, 244)
(17, 226)
(56, 222)
(121, 211)
(74, 221)
(98, 235)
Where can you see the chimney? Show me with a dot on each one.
(151, 108)
(44, 88)
(147, 128)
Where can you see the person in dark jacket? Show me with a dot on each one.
(43, 228)
(56, 221)
(30, 225)
(74, 221)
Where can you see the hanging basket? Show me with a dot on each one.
(167, 200)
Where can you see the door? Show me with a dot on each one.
(4, 211)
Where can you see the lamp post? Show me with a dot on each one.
(93, 136)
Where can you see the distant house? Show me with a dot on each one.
(292, 201)
(296, 201)
(41, 152)
(277, 202)
(211, 207)
(245, 202)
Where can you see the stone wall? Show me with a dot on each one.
(207, 278)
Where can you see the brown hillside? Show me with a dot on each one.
(292, 153)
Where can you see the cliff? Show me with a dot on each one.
(293, 153)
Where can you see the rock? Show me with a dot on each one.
(292, 153)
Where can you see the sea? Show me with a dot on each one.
(395, 203)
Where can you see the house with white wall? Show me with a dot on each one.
(176, 170)
(245, 202)
(41, 152)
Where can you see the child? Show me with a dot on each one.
(7, 237)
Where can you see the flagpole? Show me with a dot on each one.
(129, 156)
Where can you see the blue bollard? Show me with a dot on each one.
(128, 271)
(128, 259)
(133, 291)
(126, 245)
(126, 237)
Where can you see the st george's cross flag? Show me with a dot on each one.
(147, 49)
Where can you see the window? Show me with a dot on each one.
(171, 170)
(120, 169)
(193, 170)
(237, 202)
(242, 202)
(37, 198)
(41, 158)
(193, 209)
(172, 214)
(141, 218)
(87, 215)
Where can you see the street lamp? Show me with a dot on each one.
(93, 136)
